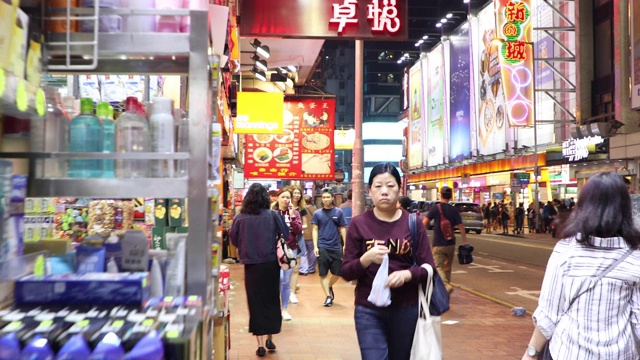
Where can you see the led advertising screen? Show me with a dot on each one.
(434, 82)
(491, 119)
(460, 95)
(416, 114)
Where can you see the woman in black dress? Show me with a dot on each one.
(254, 234)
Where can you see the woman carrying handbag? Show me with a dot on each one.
(589, 305)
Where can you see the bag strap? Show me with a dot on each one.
(440, 208)
(332, 219)
(602, 274)
(424, 297)
(413, 219)
(275, 215)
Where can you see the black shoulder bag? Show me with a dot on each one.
(440, 298)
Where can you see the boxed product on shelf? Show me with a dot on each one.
(7, 16)
(83, 289)
(106, 216)
(160, 212)
(177, 212)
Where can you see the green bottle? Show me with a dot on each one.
(85, 135)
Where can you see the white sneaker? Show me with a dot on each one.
(286, 316)
(293, 299)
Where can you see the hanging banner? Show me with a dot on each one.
(491, 108)
(416, 115)
(460, 98)
(304, 149)
(344, 139)
(514, 28)
(327, 19)
(433, 79)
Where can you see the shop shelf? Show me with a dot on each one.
(110, 188)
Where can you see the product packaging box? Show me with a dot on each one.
(160, 212)
(83, 289)
(7, 20)
(176, 212)
(159, 236)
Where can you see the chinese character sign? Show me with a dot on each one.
(514, 28)
(325, 19)
(416, 116)
(433, 79)
(305, 149)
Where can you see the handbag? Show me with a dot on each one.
(439, 302)
(427, 338)
(286, 256)
(545, 354)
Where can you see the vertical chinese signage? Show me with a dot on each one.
(305, 148)
(460, 96)
(491, 119)
(434, 81)
(516, 59)
(635, 53)
(416, 114)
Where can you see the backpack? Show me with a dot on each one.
(445, 226)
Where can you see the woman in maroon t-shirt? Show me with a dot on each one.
(385, 332)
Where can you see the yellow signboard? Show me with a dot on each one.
(259, 113)
(344, 139)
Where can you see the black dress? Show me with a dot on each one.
(262, 283)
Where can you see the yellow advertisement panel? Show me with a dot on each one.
(344, 139)
(259, 113)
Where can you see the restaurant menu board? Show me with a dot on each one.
(305, 149)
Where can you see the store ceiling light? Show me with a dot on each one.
(262, 65)
(439, 25)
(262, 50)
(259, 74)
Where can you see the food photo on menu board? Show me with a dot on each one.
(304, 149)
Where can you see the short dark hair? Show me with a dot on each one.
(603, 210)
(349, 194)
(327, 190)
(256, 200)
(446, 192)
(405, 202)
(384, 168)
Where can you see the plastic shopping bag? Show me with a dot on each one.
(380, 295)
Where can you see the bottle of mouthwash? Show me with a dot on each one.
(85, 135)
(104, 113)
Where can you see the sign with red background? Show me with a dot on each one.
(346, 19)
(305, 149)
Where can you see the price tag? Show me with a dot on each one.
(3, 82)
(21, 96)
(40, 102)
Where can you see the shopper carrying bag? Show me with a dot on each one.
(427, 339)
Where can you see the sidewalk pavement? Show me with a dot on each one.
(474, 328)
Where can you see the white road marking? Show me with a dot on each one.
(491, 268)
(525, 293)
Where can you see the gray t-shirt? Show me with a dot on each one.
(328, 233)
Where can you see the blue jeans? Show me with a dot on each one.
(285, 287)
(302, 248)
(385, 333)
(309, 262)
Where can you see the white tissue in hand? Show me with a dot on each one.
(380, 295)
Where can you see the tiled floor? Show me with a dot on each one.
(482, 329)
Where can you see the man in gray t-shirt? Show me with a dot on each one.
(329, 226)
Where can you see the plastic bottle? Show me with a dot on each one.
(74, 349)
(140, 23)
(182, 141)
(132, 135)
(38, 349)
(162, 135)
(104, 112)
(85, 135)
(50, 135)
(148, 348)
(9, 347)
(109, 348)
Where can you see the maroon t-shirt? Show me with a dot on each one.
(364, 232)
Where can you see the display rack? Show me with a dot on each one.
(146, 53)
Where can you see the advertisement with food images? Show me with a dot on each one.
(304, 149)
(460, 96)
(434, 80)
(516, 60)
(491, 117)
(415, 117)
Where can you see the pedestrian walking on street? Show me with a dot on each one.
(589, 301)
(486, 214)
(519, 217)
(292, 218)
(385, 332)
(310, 260)
(301, 207)
(254, 233)
(329, 228)
(444, 250)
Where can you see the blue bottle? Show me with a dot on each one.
(104, 113)
(85, 135)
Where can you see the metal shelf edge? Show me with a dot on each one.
(110, 188)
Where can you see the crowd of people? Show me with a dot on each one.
(497, 216)
(596, 256)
